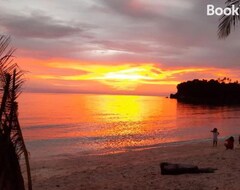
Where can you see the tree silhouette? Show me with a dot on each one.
(212, 92)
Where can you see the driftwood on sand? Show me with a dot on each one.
(12, 144)
(177, 169)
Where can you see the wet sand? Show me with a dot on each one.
(140, 169)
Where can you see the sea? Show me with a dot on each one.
(66, 124)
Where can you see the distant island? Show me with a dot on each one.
(209, 92)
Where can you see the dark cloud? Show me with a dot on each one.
(37, 26)
(131, 8)
(38, 35)
(63, 72)
(172, 33)
(48, 48)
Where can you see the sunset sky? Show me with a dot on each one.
(117, 46)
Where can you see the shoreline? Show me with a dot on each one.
(125, 149)
(140, 169)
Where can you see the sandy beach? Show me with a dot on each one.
(140, 169)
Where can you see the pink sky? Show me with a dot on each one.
(112, 46)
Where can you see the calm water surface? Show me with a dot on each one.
(59, 124)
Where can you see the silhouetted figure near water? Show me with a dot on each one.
(229, 143)
(215, 136)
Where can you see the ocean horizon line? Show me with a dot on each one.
(94, 93)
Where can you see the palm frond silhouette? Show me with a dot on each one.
(12, 144)
(227, 22)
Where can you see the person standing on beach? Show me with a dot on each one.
(215, 136)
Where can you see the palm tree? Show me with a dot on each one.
(227, 22)
(12, 144)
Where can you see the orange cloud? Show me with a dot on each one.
(144, 78)
(119, 77)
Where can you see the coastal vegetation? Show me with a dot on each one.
(212, 92)
(12, 145)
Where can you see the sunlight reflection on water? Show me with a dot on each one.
(68, 123)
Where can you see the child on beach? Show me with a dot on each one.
(215, 136)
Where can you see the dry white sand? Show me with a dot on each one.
(140, 169)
